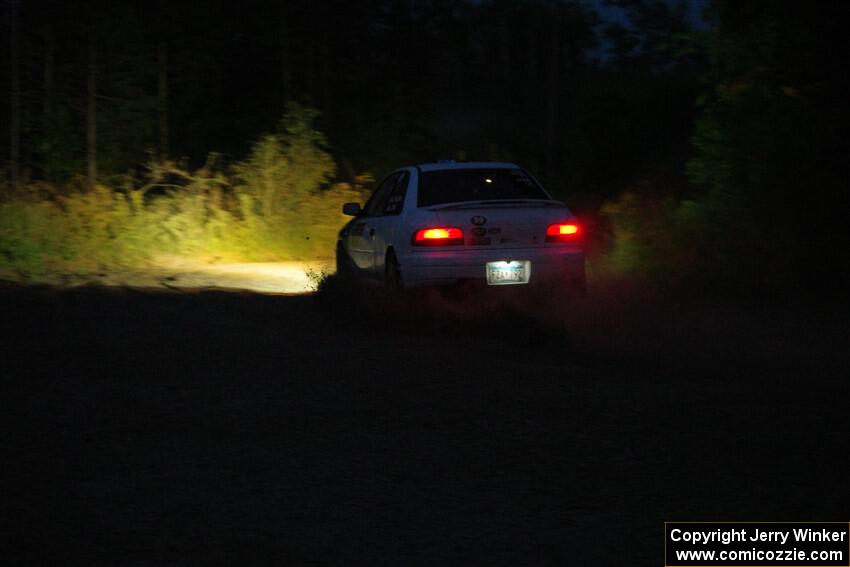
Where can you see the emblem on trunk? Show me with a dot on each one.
(478, 220)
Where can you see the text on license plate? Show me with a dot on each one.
(507, 273)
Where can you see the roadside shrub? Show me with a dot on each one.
(709, 243)
(33, 237)
(647, 236)
(283, 188)
(276, 205)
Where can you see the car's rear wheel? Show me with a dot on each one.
(343, 264)
(392, 273)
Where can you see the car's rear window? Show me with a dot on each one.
(456, 185)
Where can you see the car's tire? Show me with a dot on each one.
(343, 264)
(393, 281)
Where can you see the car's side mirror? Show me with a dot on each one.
(351, 209)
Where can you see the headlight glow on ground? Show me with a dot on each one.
(263, 277)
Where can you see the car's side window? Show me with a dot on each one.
(375, 205)
(395, 202)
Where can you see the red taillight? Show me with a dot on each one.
(568, 232)
(438, 236)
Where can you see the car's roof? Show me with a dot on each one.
(441, 165)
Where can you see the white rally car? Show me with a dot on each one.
(448, 222)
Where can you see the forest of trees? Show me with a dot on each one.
(707, 153)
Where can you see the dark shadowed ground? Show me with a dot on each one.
(174, 428)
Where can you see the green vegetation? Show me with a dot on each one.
(278, 204)
(762, 208)
(707, 154)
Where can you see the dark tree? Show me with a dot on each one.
(15, 93)
(91, 114)
(771, 140)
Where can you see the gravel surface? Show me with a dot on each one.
(189, 428)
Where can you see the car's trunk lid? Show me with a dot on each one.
(501, 224)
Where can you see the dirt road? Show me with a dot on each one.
(264, 277)
(177, 428)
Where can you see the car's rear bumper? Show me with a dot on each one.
(435, 267)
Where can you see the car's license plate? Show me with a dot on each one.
(508, 273)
